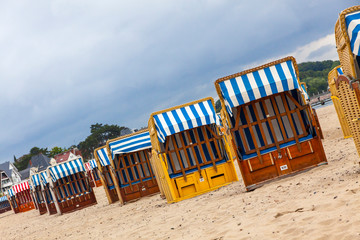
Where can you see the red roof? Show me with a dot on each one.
(62, 157)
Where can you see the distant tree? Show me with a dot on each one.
(15, 160)
(36, 151)
(95, 127)
(99, 135)
(56, 150)
(315, 74)
(22, 163)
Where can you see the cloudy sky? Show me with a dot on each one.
(68, 64)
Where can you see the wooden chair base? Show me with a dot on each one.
(139, 190)
(98, 183)
(52, 208)
(42, 208)
(2, 210)
(78, 203)
(207, 180)
(113, 195)
(275, 165)
(26, 207)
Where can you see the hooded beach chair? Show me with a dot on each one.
(347, 36)
(190, 156)
(4, 204)
(273, 131)
(37, 192)
(104, 166)
(95, 173)
(12, 200)
(70, 186)
(41, 192)
(22, 197)
(130, 160)
(89, 174)
(333, 75)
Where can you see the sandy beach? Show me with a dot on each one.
(322, 203)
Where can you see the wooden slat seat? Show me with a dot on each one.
(194, 170)
(284, 145)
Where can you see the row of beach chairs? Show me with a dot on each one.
(265, 125)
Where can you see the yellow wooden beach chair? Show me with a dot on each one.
(190, 155)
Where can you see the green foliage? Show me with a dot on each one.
(36, 151)
(99, 135)
(315, 74)
(23, 162)
(56, 150)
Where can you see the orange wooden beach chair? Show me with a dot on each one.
(42, 195)
(70, 186)
(273, 131)
(131, 169)
(104, 166)
(95, 172)
(21, 199)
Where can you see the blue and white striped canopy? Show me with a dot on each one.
(35, 179)
(184, 118)
(353, 28)
(93, 163)
(339, 71)
(129, 144)
(43, 176)
(3, 199)
(11, 192)
(304, 92)
(103, 156)
(258, 84)
(66, 169)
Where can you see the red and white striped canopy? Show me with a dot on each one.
(21, 187)
(88, 167)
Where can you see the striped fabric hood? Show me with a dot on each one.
(252, 85)
(183, 118)
(103, 156)
(353, 28)
(133, 143)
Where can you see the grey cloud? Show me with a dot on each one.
(68, 64)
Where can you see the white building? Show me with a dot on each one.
(9, 175)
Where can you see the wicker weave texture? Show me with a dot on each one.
(351, 109)
(335, 98)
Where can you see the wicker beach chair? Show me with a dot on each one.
(333, 75)
(347, 36)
